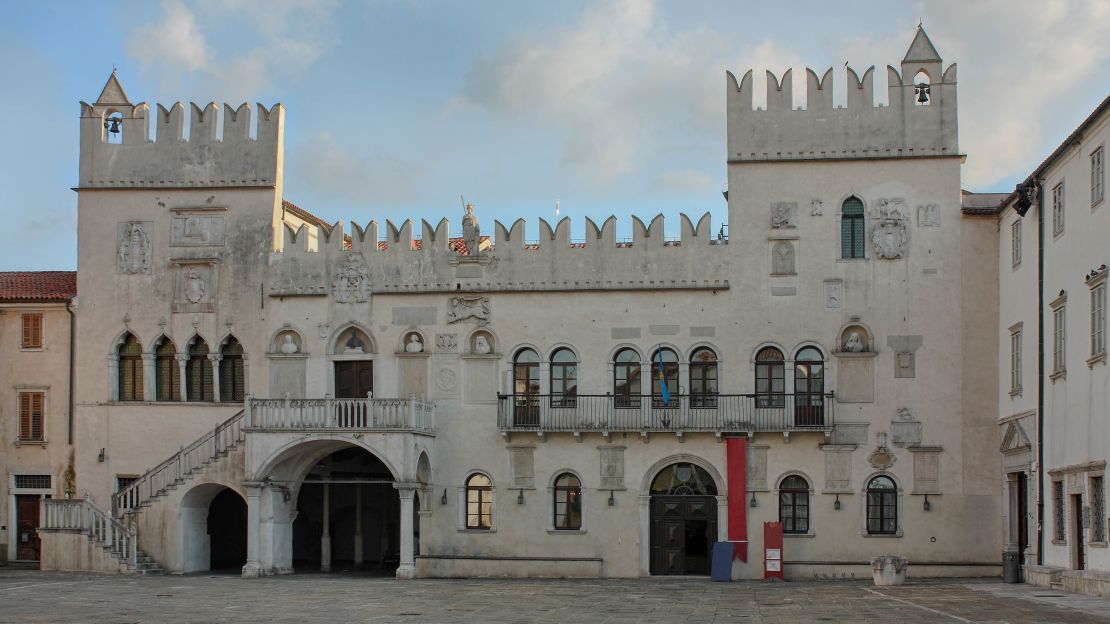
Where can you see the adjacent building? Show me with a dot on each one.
(36, 428)
(1053, 385)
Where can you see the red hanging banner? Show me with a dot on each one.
(736, 459)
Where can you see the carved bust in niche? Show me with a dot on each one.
(414, 344)
(482, 345)
(854, 343)
(354, 343)
(288, 345)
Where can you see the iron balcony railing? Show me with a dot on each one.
(712, 412)
(409, 414)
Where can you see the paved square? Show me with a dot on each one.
(30, 596)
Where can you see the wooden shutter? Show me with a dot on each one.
(30, 416)
(32, 331)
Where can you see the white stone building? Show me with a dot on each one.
(1053, 385)
(257, 388)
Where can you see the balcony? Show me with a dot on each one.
(328, 414)
(718, 414)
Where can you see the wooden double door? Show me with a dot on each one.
(354, 379)
(683, 530)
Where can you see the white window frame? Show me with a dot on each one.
(1015, 243)
(1015, 359)
(1098, 176)
(1059, 336)
(1098, 319)
(463, 504)
(1058, 209)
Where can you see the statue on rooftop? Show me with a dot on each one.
(471, 233)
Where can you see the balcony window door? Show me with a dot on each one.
(664, 369)
(626, 379)
(354, 379)
(770, 380)
(526, 388)
(703, 379)
(809, 388)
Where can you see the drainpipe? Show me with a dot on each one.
(72, 364)
(1037, 184)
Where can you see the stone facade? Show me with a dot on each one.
(298, 336)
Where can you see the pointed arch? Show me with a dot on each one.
(129, 354)
(167, 370)
(233, 381)
(198, 371)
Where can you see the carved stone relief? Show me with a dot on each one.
(197, 231)
(890, 235)
(612, 467)
(816, 208)
(882, 457)
(447, 343)
(782, 258)
(446, 379)
(133, 250)
(482, 345)
(784, 215)
(194, 287)
(838, 468)
(351, 282)
(834, 293)
(462, 308)
(905, 429)
(522, 473)
(414, 343)
(928, 215)
(905, 357)
(757, 468)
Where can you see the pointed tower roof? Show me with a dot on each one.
(112, 93)
(922, 49)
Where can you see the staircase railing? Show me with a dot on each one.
(226, 436)
(83, 515)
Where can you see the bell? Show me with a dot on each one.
(112, 125)
(922, 93)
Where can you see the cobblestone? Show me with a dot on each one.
(30, 596)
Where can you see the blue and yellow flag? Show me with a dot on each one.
(663, 380)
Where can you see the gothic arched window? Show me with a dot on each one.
(198, 372)
(232, 373)
(167, 372)
(851, 228)
(130, 369)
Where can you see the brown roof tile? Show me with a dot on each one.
(38, 285)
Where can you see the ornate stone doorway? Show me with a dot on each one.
(683, 520)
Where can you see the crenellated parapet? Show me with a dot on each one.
(919, 119)
(433, 263)
(117, 152)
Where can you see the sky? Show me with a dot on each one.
(396, 109)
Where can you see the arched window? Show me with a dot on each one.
(794, 504)
(564, 379)
(167, 372)
(664, 369)
(232, 378)
(770, 388)
(626, 379)
(526, 388)
(568, 502)
(479, 502)
(130, 369)
(851, 228)
(809, 388)
(882, 506)
(703, 378)
(683, 479)
(198, 372)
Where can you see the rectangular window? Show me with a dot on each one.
(1015, 361)
(122, 482)
(1098, 319)
(32, 331)
(33, 482)
(1058, 209)
(30, 417)
(1098, 511)
(1098, 177)
(1015, 243)
(1059, 339)
(851, 236)
(1059, 534)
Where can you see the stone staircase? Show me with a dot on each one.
(118, 541)
(181, 466)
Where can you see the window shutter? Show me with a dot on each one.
(30, 416)
(846, 237)
(32, 331)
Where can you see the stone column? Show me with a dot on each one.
(182, 366)
(253, 568)
(113, 376)
(148, 378)
(645, 534)
(325, 539)
(407, 569)
(215, 359)
(358, 526)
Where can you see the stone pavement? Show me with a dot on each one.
(31, 596)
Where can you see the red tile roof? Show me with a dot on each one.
(305, 215)
(38, 285)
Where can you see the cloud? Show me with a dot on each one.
(619, 84)
(273, 40)
(686, 179)
(333, 171)
(175, 42)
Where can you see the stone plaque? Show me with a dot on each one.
(197, 231)
(926, 472)
(194, 287)
(521, 467)
(447, 343)
(784, 215)
(414, 376)
(703, 332)
(757, 468)
(480, 381)
(855, 380)
(834, 293)
(411, 316)
(838, 468)
(287, 376)
(612, 467)
(663, 330)
(624, 333)
(928, 215)
(782, 258)
(784, 291)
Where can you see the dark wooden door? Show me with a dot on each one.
(683, 529)
(1023, 515)
(1077, 537)
(26, 527)
(354, 379)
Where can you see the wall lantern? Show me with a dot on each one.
(443, 499)
(836, 503)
